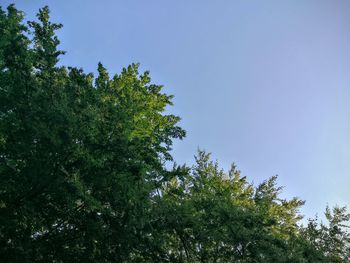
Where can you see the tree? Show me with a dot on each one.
(83, 175)
(212, 216)
(331, 238)
(79, 161)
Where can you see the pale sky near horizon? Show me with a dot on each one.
(263, 84)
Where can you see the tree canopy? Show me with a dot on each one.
(83, 175)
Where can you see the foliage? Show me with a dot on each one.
(333, 237)
(83, 175)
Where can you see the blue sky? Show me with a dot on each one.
(264, 84)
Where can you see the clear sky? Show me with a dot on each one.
(264, 84)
